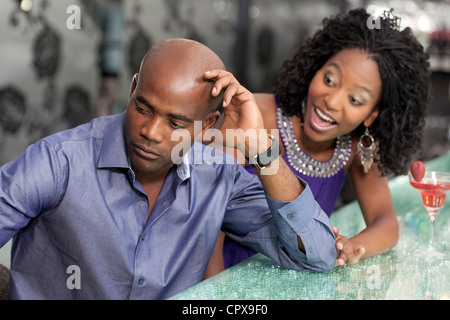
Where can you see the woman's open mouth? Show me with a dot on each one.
(320, 121)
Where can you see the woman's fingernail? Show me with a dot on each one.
(214, 90)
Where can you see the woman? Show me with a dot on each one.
(352, 100)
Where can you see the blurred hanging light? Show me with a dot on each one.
(26, 5)
(424, 23)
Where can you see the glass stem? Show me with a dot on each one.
(432, 215)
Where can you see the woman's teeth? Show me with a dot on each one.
(324, 117)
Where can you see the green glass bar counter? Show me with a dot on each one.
(396, 274)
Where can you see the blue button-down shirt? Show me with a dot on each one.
(79, 219)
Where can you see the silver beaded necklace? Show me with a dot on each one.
(303, 163)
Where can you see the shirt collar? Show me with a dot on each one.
(113, 153)
(184, 168)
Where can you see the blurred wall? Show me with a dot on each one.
(48, 77)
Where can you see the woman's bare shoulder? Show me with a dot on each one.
(267, 104)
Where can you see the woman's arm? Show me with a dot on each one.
(375, 200)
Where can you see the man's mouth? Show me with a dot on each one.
(146, 153)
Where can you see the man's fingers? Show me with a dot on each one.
(226, 82)
(222, 79)
(231, 90)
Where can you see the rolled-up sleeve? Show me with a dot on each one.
(271, 227)
(305, 218)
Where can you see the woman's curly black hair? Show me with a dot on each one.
(405, 76)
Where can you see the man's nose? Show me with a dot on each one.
(153, 130)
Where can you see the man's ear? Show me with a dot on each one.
(211, 120)
(371, 118)
(134, 83)
(209, 123)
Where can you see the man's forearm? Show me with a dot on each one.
(282, 184)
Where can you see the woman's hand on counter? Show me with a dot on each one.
(348, 252)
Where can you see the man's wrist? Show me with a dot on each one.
(266, 152)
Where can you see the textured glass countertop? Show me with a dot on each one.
(396, 274)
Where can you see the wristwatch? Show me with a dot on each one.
(264, 159)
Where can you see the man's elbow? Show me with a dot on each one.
(328, 261)
(323, 257)
(323, 261)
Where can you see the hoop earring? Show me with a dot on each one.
(366, 149)
(303, 113)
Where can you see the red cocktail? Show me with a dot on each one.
(433, 188)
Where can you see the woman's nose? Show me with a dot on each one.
(334, 100)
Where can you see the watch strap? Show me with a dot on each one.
(266, 158)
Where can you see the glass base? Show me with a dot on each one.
(430, 252)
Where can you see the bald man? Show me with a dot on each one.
(103, 211)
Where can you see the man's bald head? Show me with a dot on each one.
(183, 49)
(181, 63)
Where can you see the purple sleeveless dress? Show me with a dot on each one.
(324, 178)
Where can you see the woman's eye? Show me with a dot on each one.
(355, 102)
(328, 81)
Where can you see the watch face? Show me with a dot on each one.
(266, 158)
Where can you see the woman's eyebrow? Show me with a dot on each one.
(359, 86)
(336, 66)
(366, 90)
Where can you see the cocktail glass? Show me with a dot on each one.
(433, 188)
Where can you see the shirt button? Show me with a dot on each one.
(141, 281)
(291, 216)
(144, 237)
